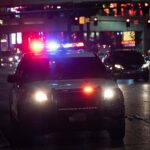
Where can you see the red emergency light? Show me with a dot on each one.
(80, 44)
(36, 46)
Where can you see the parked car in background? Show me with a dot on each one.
(147, 59)
(126, 65)
(9, 59)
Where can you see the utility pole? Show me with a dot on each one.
(88, 31)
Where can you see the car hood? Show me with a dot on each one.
(71, 84)
(129, 62)
(129, 65)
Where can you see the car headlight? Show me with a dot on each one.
(10, 59)
(40, 96)
(146, 65)
(118, 66)
(1, 59)
(109, 94)
(16, 57)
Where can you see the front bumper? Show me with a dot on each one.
(130, 74)
(51, 118)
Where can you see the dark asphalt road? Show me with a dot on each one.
(137, 102)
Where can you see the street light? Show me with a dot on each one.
(95, 21)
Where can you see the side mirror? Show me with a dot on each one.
(11, 78)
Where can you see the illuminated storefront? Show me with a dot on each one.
(128, 39)
(109, 29)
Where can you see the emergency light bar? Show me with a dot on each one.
(39, 46)
(71, 45)
(36, 46)
(53, 46)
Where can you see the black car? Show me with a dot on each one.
(126, 65)
(69, 91)
(9, 59)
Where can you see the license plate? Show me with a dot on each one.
(78, 117)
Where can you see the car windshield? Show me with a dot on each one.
(127, 57)
(65, 68)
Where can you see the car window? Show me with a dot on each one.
(36, 69)
(65, 68)
(79, 68)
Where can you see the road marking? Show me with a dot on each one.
(131, 117)
(147, 101)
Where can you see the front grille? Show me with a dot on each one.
(75, 109)
(132, 67)
(75, 99)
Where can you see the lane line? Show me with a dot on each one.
(137, 117)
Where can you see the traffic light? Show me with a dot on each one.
(145, 8)
(148, 23)
(95, 21)
(128, 22)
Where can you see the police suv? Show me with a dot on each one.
(65, 90)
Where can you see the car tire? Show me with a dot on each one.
(117, 131)
(146, 78)
(19, 135)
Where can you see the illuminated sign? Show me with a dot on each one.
(128, 39)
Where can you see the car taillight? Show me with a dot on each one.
(73, 45)
(53, 46)
(80, 44)
(88, 90)
(36, 46)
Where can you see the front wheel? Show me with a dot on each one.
(117, 131)
(19, 135)
(146, 78)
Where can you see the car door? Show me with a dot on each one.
(17, 88)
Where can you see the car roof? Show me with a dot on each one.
(66, 54)
(124, 51)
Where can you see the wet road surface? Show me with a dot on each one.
(137, 102)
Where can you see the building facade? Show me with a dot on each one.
(101, 23)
